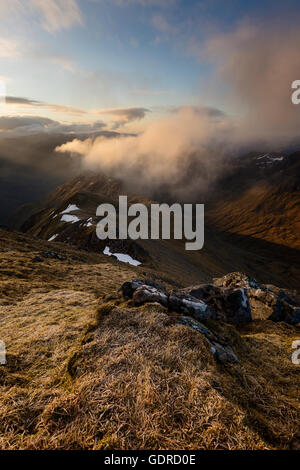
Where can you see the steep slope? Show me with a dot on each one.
(261, 199)
(223, 252)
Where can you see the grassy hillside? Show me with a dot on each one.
(88, 370)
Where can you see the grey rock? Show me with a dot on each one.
(284, 311)
(184, 303)
(221, 351)
(230, 304)
(129, 287)
(238, 309)
(52, 254)
(145, 294)
(196, 325)
(271, 305)
(223, 354)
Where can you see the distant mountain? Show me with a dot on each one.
(30, 168)
(249, 201)
(260, 199)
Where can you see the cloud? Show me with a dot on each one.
(42, 52)
(144, 3)
(206, 112)
(120, 116)
(15, 48)
(58, 14)
(54, 15)
(9, 48)
(162, 25)
(256, 65)
(16, 100)
(4, 79)
(124, 115)
(28, 125)
(20, 100)
(61, 60)
(163, 157)
(9, 123)
(13, 7)
(150, 92)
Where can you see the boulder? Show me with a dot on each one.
(52, 254)
(230, 304)
(184, 303)
(129, 287)
(145, 294)
(285, 311)
(231, 299)
(221, 351)
(223, 354)
(238, 309)
(237, 279)
(267, 302)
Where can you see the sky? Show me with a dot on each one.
(119, 64)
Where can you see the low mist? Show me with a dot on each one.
(160, 158)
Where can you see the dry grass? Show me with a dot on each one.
(137, 380)
(84, 374)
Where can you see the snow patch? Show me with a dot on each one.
(268, 159)
(53, 237)
(89, 222)
(69, 218)
(70, 208)
(121, 257)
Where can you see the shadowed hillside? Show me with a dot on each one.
(225, 249)
(261, 199)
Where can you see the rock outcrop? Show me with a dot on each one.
(128, 288)
(221, 351)
(145, 293)
(193, 312)
(230, 304)
(285, 311)
(270, 302)
(204, 302)
(234, 298)
(181, 302)
(230, 299)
